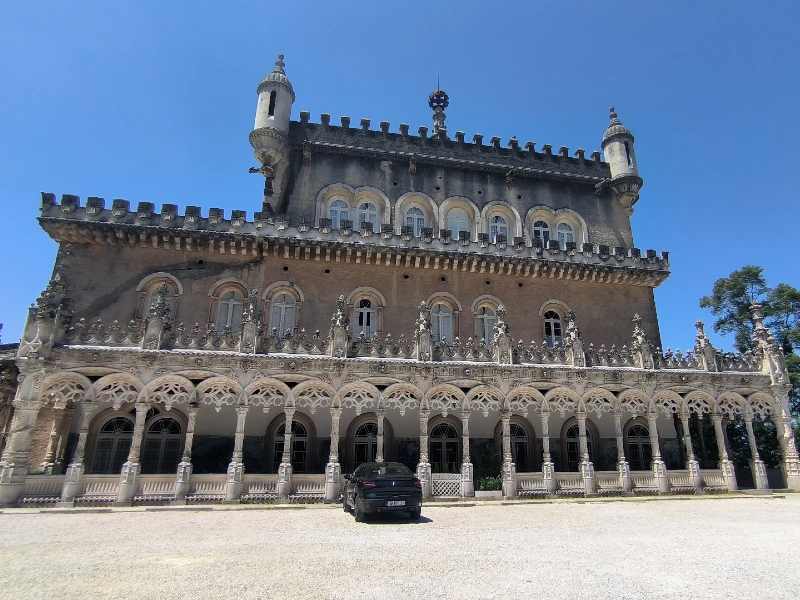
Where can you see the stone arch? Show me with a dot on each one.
(402, 396)
(220, 391)
(634, 420)
(65, 389)
(95, 425)
(445, 397)
(468, 206)
(283, 286)
(486, 300)
(574, 220)
(314, 394)
(169, 390)
(372, 194)
(149, 284)
(349, 445)
(732, 405)
(328, 193)
(117, 389)
(359, 395)
(504, 209)
(420, 200)
(699, 402)
(762, 404)
(563, 400)
(591, 431)
(634, 401)
(530, 432)
(667, 401)
(524, 399)
(268, 392)
(446, 297)
(556, 305)
(271, 461)
(144, 284)
(484, 398)
(598, 401)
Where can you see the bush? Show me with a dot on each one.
(490, 484)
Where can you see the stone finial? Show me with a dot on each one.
(159, 308)
(279, 65)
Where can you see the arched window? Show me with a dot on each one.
(282, 314)
(519, 448)
(552, 328)
(299, 453)
(366, 443)
(564, 234)
(484, 323)
(366, 318)
(338, 211)
(161, 450)
(229, 313)
(541, 231)
(368, 213)
(442, 323)
(639, 451)
(112, 446)
(497, 226)
(415, 219)
(457, 221)
(444, 449)
(573, 448)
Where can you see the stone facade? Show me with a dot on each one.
(465, 308)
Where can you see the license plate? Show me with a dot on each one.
(395, 503)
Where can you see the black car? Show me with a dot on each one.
(382, 487)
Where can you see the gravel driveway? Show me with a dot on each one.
(697, 548)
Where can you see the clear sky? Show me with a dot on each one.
(153, 101)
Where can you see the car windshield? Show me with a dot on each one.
(390, 470)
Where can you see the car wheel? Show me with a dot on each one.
(359, 513)
(415, 513)
(345, 506)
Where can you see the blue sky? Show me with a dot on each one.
(153, 101)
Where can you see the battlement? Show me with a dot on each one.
(524, 160)
(120, 225)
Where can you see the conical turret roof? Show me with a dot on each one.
(278, 77)
(615, 127)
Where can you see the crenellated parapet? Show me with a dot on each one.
(270, 233)
(510, 159)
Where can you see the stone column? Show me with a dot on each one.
(756, 464)
(76, 467)
(725, 465)
(379, 449)
(587, 468)
(623, 467)
(14, 465)
(467, 484)
(548, 469)
(64, 426)
(129, 478)
(234, 478)
(691, 462)
(333, 470)
(509, 468)
(284, 486)
(424, 467)
(185, 466)
(791, 460)
(659, 468)
(48, 464)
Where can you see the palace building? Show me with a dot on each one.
(469, 309)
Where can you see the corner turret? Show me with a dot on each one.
(619, 154)
(269, 137)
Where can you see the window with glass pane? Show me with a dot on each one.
(444, 449)
(497, 226)
(552, 328)
(366, 443)
(519, 448)
(442, 323)
(282, 313)
(484, 323)
(338, 211)
(299, 451)
(574, 447)
(541, 231)
(162, 446)
(229, 313)
(415, 219)
(564, 234)
(366, 318)
(112, 446)
(368, 213)
(457, 221)
(639, 449)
